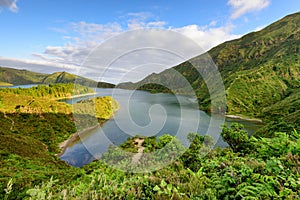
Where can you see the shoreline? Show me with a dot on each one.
(73, 138)
(77, 135)
(75, 96)
(244, 118)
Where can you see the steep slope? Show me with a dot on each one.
(9, 76)
(105, 85)
(19, 77)
(258, 70)
(65, 77)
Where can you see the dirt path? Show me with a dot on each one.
(136, 157)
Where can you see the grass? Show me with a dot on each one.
(5, 84)
(221, 174)
(257, 71)
(31, 129)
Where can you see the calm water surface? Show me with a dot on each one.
(20, 86)
(143, 113)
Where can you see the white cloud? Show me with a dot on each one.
(87, 36)
(83, 38)
(10, 4)
(142, 20)
(92, 30)
(137, 24)
(208, 37)
(37, 66)
(241, 7)
(135, 54)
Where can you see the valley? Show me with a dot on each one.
(156, 142)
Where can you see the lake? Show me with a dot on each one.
(146, 114)
(20, 86)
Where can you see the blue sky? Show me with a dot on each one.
(43, 35)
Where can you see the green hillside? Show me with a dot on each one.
(260, 71)
(64, 77)
(9, 76)
(5, 84)
(19, 77)
(33, 124)
(105, 85)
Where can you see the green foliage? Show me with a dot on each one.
(5, 84)
(32, 127)
(9, 76)
(280, 144)
(150, 144)
(199, 148)
(43, 192)
(27, 146)
(90, 112)
(286, 110)
(235, 136)
(261, 76)
(270, 170)
(165, 190)
(278, 125)
(19, 77)
(154, 153)
(260, 72)
(130, 145)
(105, 85)
(64, 77)
(164, 140)
(1, 101)
(41, 99)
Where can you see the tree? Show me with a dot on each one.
(235, 136)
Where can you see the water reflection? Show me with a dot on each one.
(142, 113)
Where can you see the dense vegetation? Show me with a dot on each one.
(261, 168)
(105, 85)
(260, 71)
(33, 124)
(5, 84)
(90, 112)
(50, 91)
(9, 76)
(261, 77)
(251, 167)
(19, 77)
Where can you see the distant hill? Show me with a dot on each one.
(105, 85)
(20, 77)
(64, 77)
(9, 76)
(260, 71)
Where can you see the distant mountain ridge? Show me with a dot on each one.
(65, 77)
(260, 71)
(20, 77)
(23, 77)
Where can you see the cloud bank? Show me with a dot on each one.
(10, 4)
(241, 7)
(88, 36)
(37, 66)
(83, 37)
